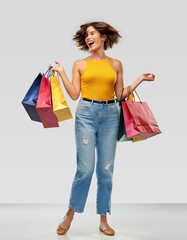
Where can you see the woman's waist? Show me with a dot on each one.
(108, 101)
(98, 95)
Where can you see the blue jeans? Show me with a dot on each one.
(96, 126)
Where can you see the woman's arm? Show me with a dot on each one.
(119, 83)
(73, 89)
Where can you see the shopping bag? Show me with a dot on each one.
(136, 99)
(139, 120)
(122, 137)
(60, 106)
(44, 104)
(30, 100)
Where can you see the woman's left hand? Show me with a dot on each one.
(147, 77)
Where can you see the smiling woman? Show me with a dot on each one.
(103, 28)
(99, 78)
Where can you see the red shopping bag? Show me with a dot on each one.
(139, 120)
(44, 104)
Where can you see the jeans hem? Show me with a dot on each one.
(102, 213)
(75, 209)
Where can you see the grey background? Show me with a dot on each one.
(37, 164)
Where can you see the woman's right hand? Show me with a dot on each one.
(59, 68)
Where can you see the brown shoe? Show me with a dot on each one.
(107, 231)
(62, 231)
(69, 214)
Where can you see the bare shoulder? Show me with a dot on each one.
(116, 64)
(80, 64)
(115, 61)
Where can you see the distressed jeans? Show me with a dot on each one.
(96, 126)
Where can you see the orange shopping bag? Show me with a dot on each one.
(60, 106)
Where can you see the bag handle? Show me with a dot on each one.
(121, 95)
(48, 71)
(53, 74)
(128, 93)
(58, 77)
(133, 94)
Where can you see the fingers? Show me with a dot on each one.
(54, 69)
(150, 78)
(147, 74)
(56, 62)
(60, 64)
(57, 67)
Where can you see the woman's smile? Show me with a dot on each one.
(91, 43)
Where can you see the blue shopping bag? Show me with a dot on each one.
(30, 100)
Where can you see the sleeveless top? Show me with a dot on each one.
(97, 80)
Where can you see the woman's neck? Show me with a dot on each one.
(97, 56)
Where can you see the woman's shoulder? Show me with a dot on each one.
(80, 62)
(115, 61)
(116, 64)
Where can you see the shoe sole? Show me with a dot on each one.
(106, 233)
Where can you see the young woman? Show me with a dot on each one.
(99, 78)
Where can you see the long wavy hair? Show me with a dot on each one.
(103, 28)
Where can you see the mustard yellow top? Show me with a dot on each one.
(97, 80)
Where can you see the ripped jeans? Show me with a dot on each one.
(96, 126)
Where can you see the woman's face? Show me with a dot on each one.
(93, 38)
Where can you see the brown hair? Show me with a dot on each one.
(102, 27)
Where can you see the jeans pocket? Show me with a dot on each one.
(83, 106)
(113, 108)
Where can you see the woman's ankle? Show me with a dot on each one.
(103, 219)
(70, 212)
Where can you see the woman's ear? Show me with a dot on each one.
(104, 37)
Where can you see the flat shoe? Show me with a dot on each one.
(106, 231)
(62, 231)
